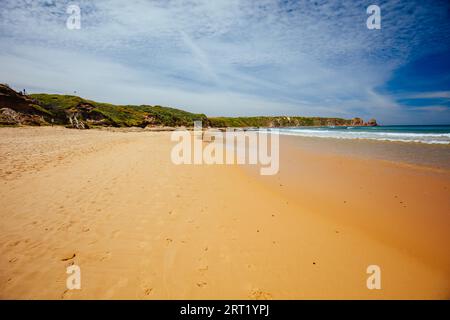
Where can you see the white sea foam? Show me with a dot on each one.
(429, 138)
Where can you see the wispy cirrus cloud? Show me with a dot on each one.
(222, 57)
(430, 95)
(432, 108)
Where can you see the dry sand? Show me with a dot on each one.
(140, 227)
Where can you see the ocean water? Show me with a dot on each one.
(436, 134)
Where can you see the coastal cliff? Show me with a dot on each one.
(285, 121)
(17, 108)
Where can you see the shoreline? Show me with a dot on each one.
(412, 154)
(140, 227)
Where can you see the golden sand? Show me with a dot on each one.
(140, 227)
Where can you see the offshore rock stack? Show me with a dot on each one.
(360, 122)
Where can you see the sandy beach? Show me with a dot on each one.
(140, 227)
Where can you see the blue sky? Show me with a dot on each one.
(236, 57)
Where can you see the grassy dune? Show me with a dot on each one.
(115, 115)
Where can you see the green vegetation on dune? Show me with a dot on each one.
(38, 108)
(114, 115)
(174, 117)
(275, 121)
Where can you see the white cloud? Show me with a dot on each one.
(431, 108)
(430, 95)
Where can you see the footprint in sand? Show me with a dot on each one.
(202, 269)
(69, 257)
(105, 256)
(13, 244)
(148, 291)
(146, 287)
(65, 226)
(64, 293)
(258, 294)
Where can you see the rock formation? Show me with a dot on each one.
(9, 117)
(357, 122)
(18, 109)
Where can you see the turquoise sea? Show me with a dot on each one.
(430, 134)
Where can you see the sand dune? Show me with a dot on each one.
(140, 227)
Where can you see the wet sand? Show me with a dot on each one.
(140, 227)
